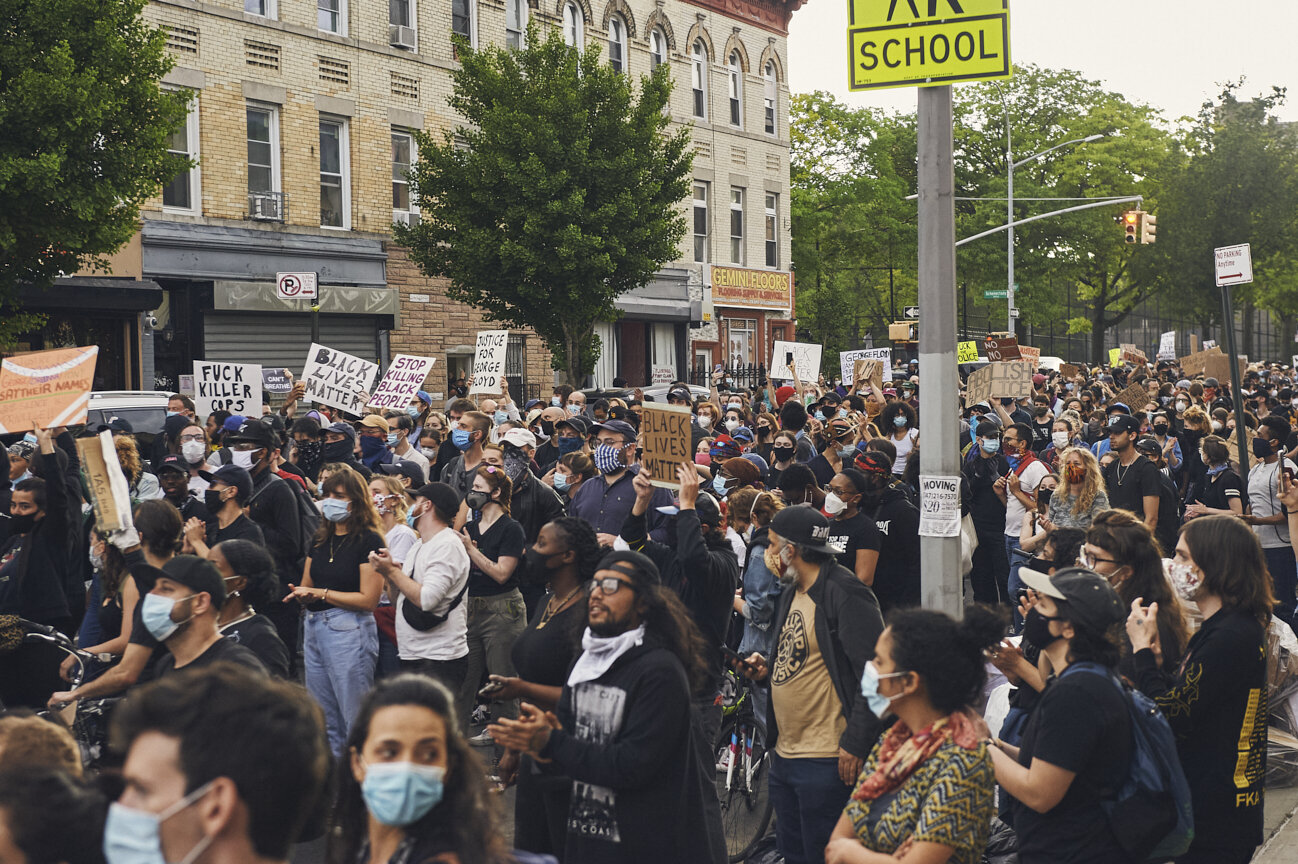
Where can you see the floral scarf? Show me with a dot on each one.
(902, 751)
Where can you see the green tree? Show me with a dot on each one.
(563, 191)
(85, 136)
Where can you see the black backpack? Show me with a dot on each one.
(308, 516)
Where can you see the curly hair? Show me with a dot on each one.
(891, 410)
(580, 537)
(129, 456)
(946, 653)
(251, 561)
(1083, 494)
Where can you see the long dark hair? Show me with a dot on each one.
(160, 527)
(467, 816)
(946, 653)
(667, 619)
(254, 564)
(361, 516)
(1234, 569)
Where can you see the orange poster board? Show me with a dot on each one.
(46, 388)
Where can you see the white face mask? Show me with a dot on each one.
(732, 425)
(1060, 439)
(705, 420)
(242, 458)
(1216, 425)
(1185, 581)
(834, 505)
(192, 452)
(1181, 406)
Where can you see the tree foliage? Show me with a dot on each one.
(562, 192)
(85, 135)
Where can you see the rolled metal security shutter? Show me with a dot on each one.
(282, 341)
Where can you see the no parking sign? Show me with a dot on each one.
(295, 286)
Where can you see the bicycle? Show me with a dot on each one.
(742, 767)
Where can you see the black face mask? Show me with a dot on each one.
(477, 500)
(782, 454)
(1160, 428)
(537, 571)
(547, 428)
(337, 451)
(307, 453)
(22, 524)
(212, 500)
(1036, 629)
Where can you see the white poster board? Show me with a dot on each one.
(489, 361)
(401, 382)
(847, 362)
(338, 379)
(663, 374)
(806, 356)
(939, 506)
(233, 387)
(1167, 346)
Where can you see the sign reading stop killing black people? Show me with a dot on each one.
(338, 379)
(233, 387)
(925, 43)
(401, 382)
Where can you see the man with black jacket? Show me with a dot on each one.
(819, 725)
(984, 472)
(531, 505)
(896, 577)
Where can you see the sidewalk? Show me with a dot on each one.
(1281, 827)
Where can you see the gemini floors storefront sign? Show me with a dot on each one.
(753, 289)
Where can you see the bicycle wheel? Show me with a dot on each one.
(742, 790)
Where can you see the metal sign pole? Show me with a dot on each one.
(1228, 318)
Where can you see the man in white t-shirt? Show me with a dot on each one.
(435, 576)
(1020, 487)
(1266, 515)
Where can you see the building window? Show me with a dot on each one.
(768, 98)
(657, 49)
(617, 44)
(400, 13)
(405, 208)
(736, 225)
(515, 23)
(574, 26)
(701, 221)
(335, 203)
(331, 16)
(741, 341)
(736, 73)
(183, 192)
(264, 8)
(263, 148)
(772, 230)
(463, 13)
(699, 78)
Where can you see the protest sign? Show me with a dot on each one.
(1294, 362)
(663, 374)
(489, 361)
(1167, 346)
(1209, 343)
(1068, 370)
(804, 355)
(404, 378)
(338, 379)
(966, 352)
(1115, 358)
(46, 388)
(109, 493)
(873, 409)
(277, 381)
(867, 373)
(847, 363)
(1012, 379)
(233, 387)
(665, 437)
(1135, 397)
(1030, 354)
(1194, 363)
(939, 506)
(1001, 348)
(1134, 356)
(1218, 366)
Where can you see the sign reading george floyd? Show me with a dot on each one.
(665, 435)
(338, 379)
(489, 361)
(44, 389)
(925, 43)
(847, 363)
(233, 387)
(402, 381)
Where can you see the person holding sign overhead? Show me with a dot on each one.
(606, 501)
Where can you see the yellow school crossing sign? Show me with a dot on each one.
(925, 43)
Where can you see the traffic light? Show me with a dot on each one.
(1131, 222)
(1148, 227)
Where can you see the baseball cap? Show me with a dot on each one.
(636, 566)
(444, 498)
(1123, 423)
(783, 394)
(520, 438)
(411, 470)
(374, 421)
(617, 427)
(742, 434)
(805, 527)
(231, 475)
(679, 393)
(115, 424)
(233, 422)
(173, 463)
(1038, 379)
(1210, 382)
(1092, 602)
(198, 575)
(424, 396)
(256, 432)
(1148, 445)
(22, 449)
(577, 424)
(708, 509)
(342, 429)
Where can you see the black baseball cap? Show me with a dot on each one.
(342, 428)
(1148, 445)
(708, 509)
(680, 393)
(1092, 602)
(578, 424)
(805, 527)
(445, 499)
(407, 468)
(255, 431)
(173, 463)
(198, 575)
(231, 475)
(1123, 423)
(637, 566)
(617, 427)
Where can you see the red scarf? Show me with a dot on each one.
(902, 751)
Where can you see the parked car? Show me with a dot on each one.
(145, 410)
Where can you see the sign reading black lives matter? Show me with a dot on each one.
(233, 387)
(926, 43)
(665, 431)
(338, 379)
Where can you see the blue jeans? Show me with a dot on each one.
(340, 649)
(1017, 558)
(808, 798)
(1281, 565)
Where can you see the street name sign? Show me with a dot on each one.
(927, 43)
(1234, 264)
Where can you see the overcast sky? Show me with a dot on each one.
(1170, 55)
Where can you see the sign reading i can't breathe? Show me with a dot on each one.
(906, 43)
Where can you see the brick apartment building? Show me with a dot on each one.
(300, 123)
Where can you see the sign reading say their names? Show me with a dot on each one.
(401, 382)
(1009, 380)
(233, 387)
(338, 379)
(489, 361)
(904, 43)
(46, 388)
(665, 436)
(847, 363)
(804, 355)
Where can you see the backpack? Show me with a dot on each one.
(308, 516)
(1150, 814)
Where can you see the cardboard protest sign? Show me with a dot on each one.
(867, 373)
(1209, 343)
(1012, 379)
(109, 492)
(233, 387)
(338, 379)
(1134, 356)
(278, 381)
(804, 355)
(1068, 370)
(1002, 348)
(847, 363)
(1194, 363)
(489, 361)
(966, 352)
(1135, 397)
(1167, 346)
(44, 389)
(873, 409)
(665, 437)
(1030, 354)
(1218, 366)
(402, 381)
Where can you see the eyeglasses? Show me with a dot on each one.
(1090, 561)
(245, 446)
(609, 442)
(187, 438)
(609, 585)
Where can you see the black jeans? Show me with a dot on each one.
(449, 672)
(991, 569)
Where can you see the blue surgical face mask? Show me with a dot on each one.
(719, 485)
(556, 402)
(820, 415)
(574, 410)
(561, 481)
(156, 615)
(401, 793)
(133, 836)
(335, 510)
(412, 410)
(847, 452)
(30, 438)
(501, 416)
(462, 439)
(899, 421)
(393, 438)
(879, 703)
(991, 445)
(172, 413)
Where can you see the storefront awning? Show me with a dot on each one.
(93, 294)
(665, 298)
